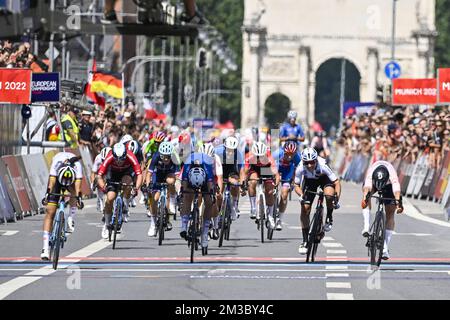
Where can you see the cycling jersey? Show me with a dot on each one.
(157, 166)
(60, 160)
(263, 166)
(321, 170)
(97, 163)
(201, 160)
(286, 168)
(110, 164)
(231, 166)
(287, 129)
(319, 144)
(393, 178)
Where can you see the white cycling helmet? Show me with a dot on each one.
(309, 154)
(166, 149)
(231, 143)
(104, 153)
(119, 152)
(66, 176)
(292, 115)
(207, 149)
(259, 149)
(133, 146)
(126, 138)
(197, 177)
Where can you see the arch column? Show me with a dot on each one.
(304, 83)
(310, 117)
(371, 90)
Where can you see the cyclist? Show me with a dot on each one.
(136, 148)
(320, 143)
(233, 170)
(198, 173)
(291, 131)
(148, 149)
(118, 166)
(315, 172)
(209, 150)
(287, 160)
(261, 164)
(65, 174)
(97, 163)
(381, 176)
(162, 169)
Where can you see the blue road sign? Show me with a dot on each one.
(392, 70)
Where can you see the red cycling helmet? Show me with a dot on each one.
(290, 147)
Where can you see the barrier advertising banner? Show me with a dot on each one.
(45, 87)
(37, 173)
(444, 85)
(6, 209)
(15, 86)
(19, 187)
(414, 91)
(9, 187)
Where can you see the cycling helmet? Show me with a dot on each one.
(207, 149)
(126, 138)
(159, 136)
(133, 146)
(119, 152)
(309, 154)
(166, 149)
(104, 153)
(197, 177)
(231, 143)
(290, 147)
(66, 176)
(292, 115)
(380, 177)
(259, 149)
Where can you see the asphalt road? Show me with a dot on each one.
(243, 269)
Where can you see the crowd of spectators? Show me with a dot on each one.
(402, 132)
(19, 55)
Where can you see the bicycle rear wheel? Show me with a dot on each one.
(58, 239)
(117, 214)
(261, 216)
(194, 244)
(377, 240)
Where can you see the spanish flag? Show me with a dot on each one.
(108, 83)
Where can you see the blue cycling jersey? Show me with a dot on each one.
(286, 130)
(202, 160)
(286, 168)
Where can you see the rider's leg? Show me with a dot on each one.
(366, 219)
(304, 220)
(207, 215)
(126, 193)
(329, 191)
(110, 197)
(390, 225)
(252, 193)
(152, 230)
(48, 222)
(270, 200)
(171, 192)
(234, 191)
(186, 208)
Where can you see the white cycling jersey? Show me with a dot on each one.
(218, 169)
(322, 169)
(97, 163)
(58, 162)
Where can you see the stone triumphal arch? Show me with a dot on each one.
(286, 41)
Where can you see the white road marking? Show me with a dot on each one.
(412, 212)
(8, 232)
(336, 267)
(339, 285)
(13, 285)
(340, 296)
(337, 275)
(336, 257)
(328, 239)
(413, 234)
(331, 251)
(332, 245)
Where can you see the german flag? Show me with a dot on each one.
(108, 83)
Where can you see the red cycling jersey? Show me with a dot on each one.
(110, 162)
(254, 163)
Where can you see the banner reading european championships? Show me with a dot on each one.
(45, 87)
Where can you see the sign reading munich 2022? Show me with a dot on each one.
(15, 86)
(45, 87)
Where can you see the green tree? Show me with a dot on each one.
(442, 48)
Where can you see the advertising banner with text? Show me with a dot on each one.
(414, 91)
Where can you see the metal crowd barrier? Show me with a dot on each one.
(417, 179)
(23, 182)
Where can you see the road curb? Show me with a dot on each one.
(413, 212)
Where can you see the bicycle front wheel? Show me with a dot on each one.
(261, 216)
(377, 240)
(223, 227)
(161, 215)
(58, 239)
(313, 241)
(117, 214)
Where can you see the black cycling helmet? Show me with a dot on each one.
(380, 177)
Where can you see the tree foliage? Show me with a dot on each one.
(442, 48)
